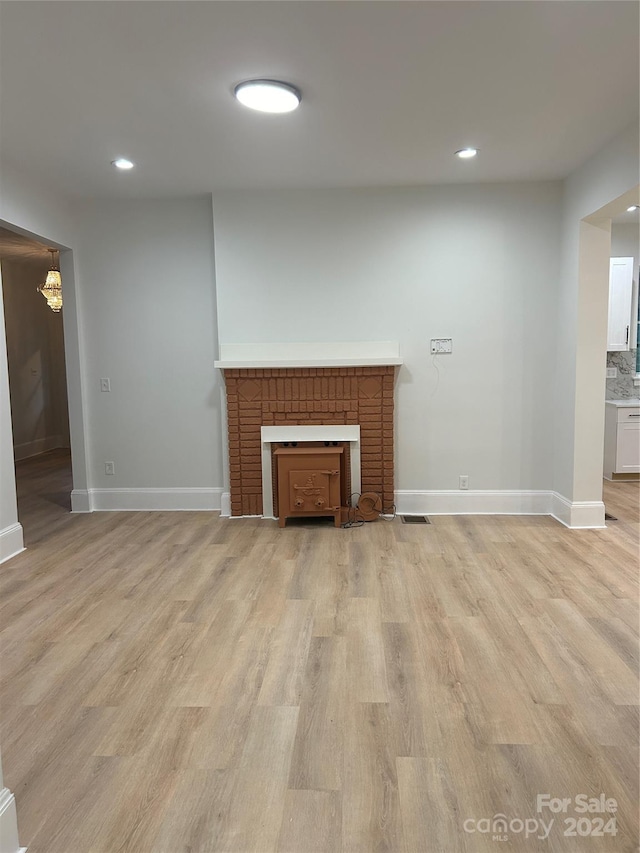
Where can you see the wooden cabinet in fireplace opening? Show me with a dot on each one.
(308, 482)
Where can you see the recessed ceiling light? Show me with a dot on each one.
(633, 208)
(466, 153)
(122, 163)
(268, 96)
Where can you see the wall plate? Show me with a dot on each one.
(440, 345)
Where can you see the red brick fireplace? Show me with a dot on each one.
(308, 395)
(331, 395)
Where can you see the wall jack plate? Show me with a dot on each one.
(612, 372)
(439, 345)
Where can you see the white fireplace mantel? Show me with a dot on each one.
(354, 354)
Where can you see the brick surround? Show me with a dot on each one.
(311, 396)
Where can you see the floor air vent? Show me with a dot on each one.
(415, 519)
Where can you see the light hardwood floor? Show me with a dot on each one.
(176, 683)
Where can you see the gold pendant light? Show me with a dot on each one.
(52, 287)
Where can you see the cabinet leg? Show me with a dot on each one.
(281, 521)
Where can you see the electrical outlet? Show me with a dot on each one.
(440, 345)
(105, 384)
(463, 481)
(109, 468)
(612, 372)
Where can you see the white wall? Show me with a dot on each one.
(11, 538)
(476, 263)
(35, 349)
(31, 204)
(139, 307)
(8, 821)
(149, 321)
(582, 317)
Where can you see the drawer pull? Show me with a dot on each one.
(634, 416)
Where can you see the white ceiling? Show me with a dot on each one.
(390, 90)
(627, 218)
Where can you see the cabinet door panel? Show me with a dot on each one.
(620, 298)
(628, 460)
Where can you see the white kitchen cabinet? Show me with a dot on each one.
(621, 438)
(621, 325)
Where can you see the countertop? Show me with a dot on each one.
(630, 402)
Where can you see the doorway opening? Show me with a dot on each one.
(37, 386)
(599, 241)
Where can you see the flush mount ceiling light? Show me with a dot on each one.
(122, 163)
(52, 287)
(633, 208)
(466, 153)
(268, 96)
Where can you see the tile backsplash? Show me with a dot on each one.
(622, 386)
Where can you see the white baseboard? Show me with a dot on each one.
(580, 514)
(9, 824)
(11, 543)
(40, 445)
(169, 500)
(577, 514)
(81, 501)
(560, 508)
(472, 502)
